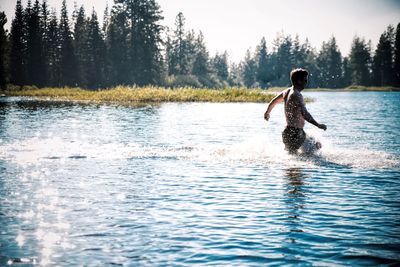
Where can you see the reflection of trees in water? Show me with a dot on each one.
(294, 199)
(3, 114)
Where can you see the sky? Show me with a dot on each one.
(238, 25)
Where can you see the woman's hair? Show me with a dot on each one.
(297, 74)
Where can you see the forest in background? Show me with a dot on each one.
(132, 47)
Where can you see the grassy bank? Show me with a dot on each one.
(127, 94)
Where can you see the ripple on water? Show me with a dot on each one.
(196, 184)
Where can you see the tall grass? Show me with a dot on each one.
(144, 94)
(132, 94)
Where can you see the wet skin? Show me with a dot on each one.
(296, 112)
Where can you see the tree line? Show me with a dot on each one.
(132, 47)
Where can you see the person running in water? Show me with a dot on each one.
(296, 114)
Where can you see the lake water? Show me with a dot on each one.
(187, 184)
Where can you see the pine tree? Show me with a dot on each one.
(182, 49)
(382, 67)
(220, 66)
(396, 65)
(95, 53)
(201, 63)
(18, 47)
(80, 46)
(35, 60)
(308, 60)
(106, 21)
(44, 29)
(346, 73)
(152, 24)
(283, 60)
(53, 51)
(178, 51)
(169, 53)
(359, 62)
(298, 55)
(192, 46)
(330, 65)
(67, 57)
(262, 76)
(104, 30)
(3, 45)
(249, 68)
(74, 13)
(117, 47)
(145, 41)
(235, 78)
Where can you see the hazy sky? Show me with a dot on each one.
(238, 25)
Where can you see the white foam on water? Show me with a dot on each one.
(258, 149)
(261, 149)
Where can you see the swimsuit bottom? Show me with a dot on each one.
(293, 138)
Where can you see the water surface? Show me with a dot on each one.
(188, 184)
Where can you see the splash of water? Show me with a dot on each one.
(258, 149)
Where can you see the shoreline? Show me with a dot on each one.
(153, 95)
(138, 95)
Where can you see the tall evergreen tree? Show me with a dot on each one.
(67, 57)
(117, 46)
(104, 30)
(298, 55)
(53, 51)
(307, 60)
(168, 53)
(346, 72)
(181, 48)
(234, 78)
(220, 65)
(382, 67)
(178, 60)
(35, 59)
(192, 47)
(106, 20)
(44, 29)
(249, 69)
(201, 63)
(3, 45)
(18, 47)
(396, 65)
(75, 12)
(330, 65)
(283, 60)
(81, 46)
(359, 62)
(95, 53)
(145, 41)
(263, 76)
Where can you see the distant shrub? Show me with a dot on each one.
(183, 81)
